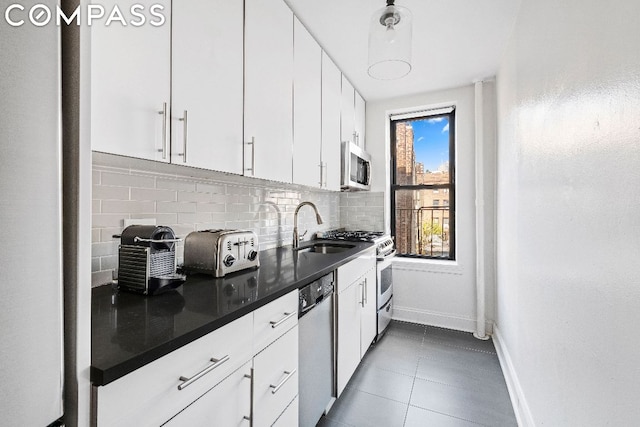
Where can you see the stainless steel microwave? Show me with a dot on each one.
(355, 168)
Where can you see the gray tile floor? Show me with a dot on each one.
(425, 376)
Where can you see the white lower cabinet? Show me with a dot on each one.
(227, 404)
(275, 380)
(154, 393)
(243, 374)
(356, 314)
(289, 417)
(348, 332)
(368, 319)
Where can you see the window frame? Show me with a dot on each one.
(451, 187)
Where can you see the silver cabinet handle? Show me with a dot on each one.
(163, 112)
(362, 294)
(287, 316)
(366, 292)
(275, 388)
(186, 382)
(325, 175)
(184, 137)
(252, 143)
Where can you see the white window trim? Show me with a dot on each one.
(428, 265)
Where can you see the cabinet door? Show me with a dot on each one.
(289, 417)
(130, 86)
(206, 112)
(360, 117)
(368, 325)
(275, 373)
(331, 97)
(227, 404)
(347, 114)
(307, 127)
(150, 394)
(268, 90)
(349, 312)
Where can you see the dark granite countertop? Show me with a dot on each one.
(128, 330)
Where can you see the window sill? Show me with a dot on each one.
(428, 266)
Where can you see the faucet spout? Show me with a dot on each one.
(296, 237)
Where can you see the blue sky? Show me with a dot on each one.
(431, 141)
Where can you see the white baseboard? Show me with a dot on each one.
(442, 320)
(518, 400)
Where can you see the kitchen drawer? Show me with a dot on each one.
(275, 373)
(290, 415)
(228, 403)
(274, 319)
(355, 269)
(150, 396)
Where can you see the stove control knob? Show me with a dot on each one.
(229, 260)
(252, 255)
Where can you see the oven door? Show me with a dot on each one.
(385, 281)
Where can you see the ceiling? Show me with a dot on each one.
(455, 42)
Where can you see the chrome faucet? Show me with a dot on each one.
(295, 221)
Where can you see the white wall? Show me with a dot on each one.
(435, 292)
(568, 212)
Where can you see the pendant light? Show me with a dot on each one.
(390, 42)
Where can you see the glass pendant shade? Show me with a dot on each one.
(390, 43)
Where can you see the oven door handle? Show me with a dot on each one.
(387, 256)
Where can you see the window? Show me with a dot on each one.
(422, 164)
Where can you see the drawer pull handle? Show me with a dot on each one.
(284, 380)
(287, 316)
(186, 382)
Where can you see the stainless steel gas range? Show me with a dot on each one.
(385, 251)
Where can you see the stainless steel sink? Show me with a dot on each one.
(326, 248)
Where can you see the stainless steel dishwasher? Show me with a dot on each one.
(316, 338)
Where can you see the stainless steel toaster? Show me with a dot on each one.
(147, 260)
(219, 252)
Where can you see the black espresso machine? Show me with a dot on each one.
(147, 260)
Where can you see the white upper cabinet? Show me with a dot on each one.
(207, 66)
(360, 117)
(307, 103)
(331, 97)
(268, 120)
(130, 86)
(347, 113)
(352, 114)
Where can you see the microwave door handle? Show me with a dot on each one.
(367, 173)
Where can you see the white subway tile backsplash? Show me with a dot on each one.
(103, 249)
(210, 207)
(175, 207)
(127, 206)
(176, 184)
(184, 196)
(107, 233)
(202, 187)
(158, 195)
(161, 218)
(103, 192)
(109, 262)
(362, 211)
(99, 220)
(127, 180)
(174, 197)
